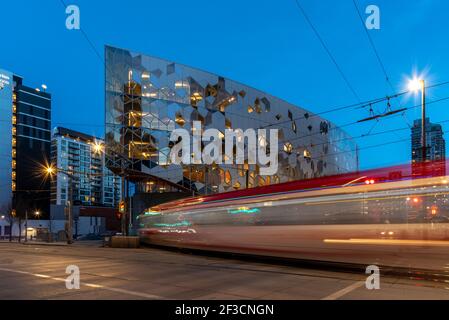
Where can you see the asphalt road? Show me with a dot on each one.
(38, 272)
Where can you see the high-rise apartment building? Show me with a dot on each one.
(25, 117)
(435, 143)
(82, 156)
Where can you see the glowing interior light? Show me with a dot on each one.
(244, 210)
(173, 225)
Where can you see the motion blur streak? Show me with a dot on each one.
(391, 242)
(399, 219)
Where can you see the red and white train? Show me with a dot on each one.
(397, 216)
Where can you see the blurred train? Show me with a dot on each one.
(397, 217)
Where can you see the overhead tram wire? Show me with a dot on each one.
(97, 53)
(357, 122)
(373, 46)
(342, 126)
(304, 13)
(359, 104)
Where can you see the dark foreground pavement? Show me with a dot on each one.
(38, 272)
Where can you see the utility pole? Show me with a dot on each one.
(69, 210)
(26, 226)
(423, 121)
(123, 192)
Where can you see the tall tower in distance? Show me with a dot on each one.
(435, 143)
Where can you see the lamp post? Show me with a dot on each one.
(69, 213)
(26, 226)
(420, 85)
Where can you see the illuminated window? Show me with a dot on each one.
(268, 180)
(195, 98)
(13, 164)
(257, 106)
(13, 186)
(180, 120)
(237, 185)
(241, 170)
(228, 123)
(288, 147)
(228, 177)
(14, 142)
(307, 154)
(14, 120)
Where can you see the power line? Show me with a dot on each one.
(359, 105)
(384, 70)
(327, 49)
(356, 122)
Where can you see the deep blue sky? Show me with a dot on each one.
(265, 44)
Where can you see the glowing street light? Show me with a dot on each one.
(97, 147)
(50, 170)
(415, 84)
(37, 214)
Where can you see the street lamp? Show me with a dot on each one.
(97, 147)
(416, 85)
(37, 214)
(50, 170)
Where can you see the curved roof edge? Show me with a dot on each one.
(237, 82)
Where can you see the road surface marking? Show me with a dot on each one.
(345, 291)
(90, 285)
(390, 242)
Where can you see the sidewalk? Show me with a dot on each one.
(86, 243)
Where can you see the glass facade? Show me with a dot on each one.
(147, 98)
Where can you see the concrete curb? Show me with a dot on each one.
(44, 244)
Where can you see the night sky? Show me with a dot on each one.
(264, 44)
